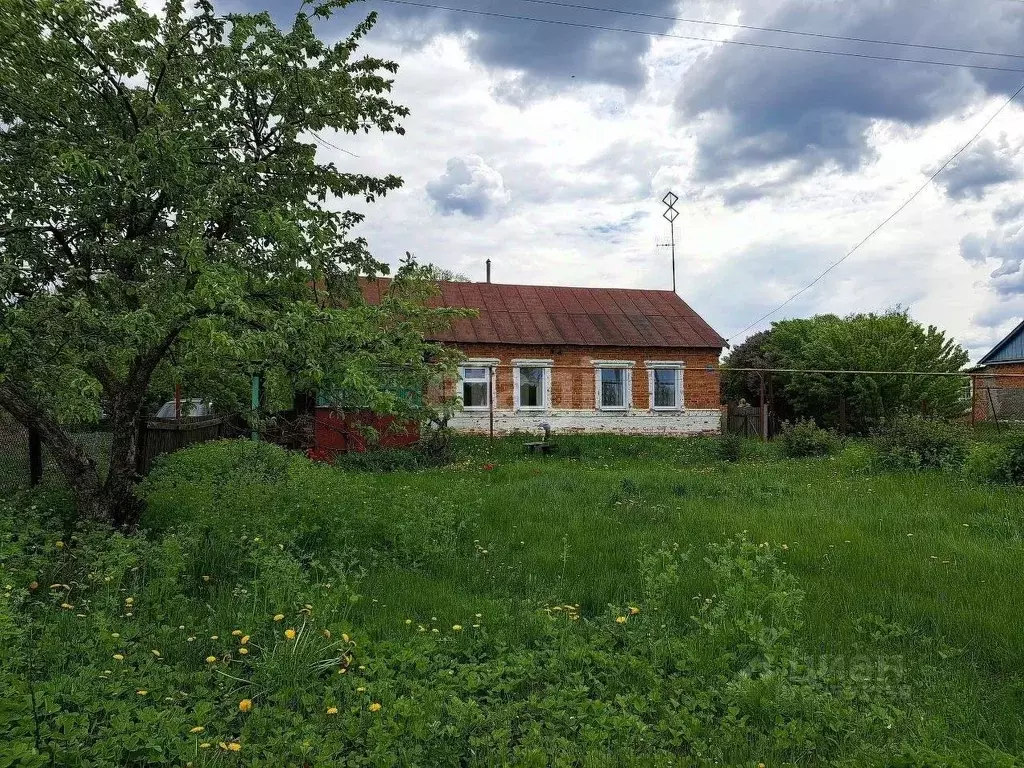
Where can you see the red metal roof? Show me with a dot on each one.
(543, 314)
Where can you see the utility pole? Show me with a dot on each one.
(670, 215)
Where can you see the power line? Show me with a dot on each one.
(326, 143)
(775, 30)
(891, 216)
(745, 43)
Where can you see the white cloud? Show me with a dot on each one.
(468, 186)
(578, 174)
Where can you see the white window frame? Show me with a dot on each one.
(625, 365)
(661, 365)
(545, 385)
(490, 365)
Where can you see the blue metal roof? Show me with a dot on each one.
(1009, 350)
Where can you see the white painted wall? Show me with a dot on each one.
(562, 421)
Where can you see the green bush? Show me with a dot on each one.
(805, 439)
(730, 447)
(1011, 468)
(997, 463)
(913, 443)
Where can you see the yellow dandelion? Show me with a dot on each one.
(332, 710)
(244, 640)
(290, 634)
(456, 627)
(620, 620)
(197, 729)
(633, 611)
(245, 705)
(243, 651)
(211, 659)
(142, 691)
(234, 746)
(279, 617)
(375, 707)
(236, 632)
(118, 657)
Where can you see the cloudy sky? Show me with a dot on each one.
(548, 147)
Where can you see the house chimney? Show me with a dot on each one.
(488, 270)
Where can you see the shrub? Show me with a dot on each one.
(917, 443)
(997, 463)
(805, 439)
(1011, 468)
(730, 447)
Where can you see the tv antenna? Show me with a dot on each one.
(670, 215)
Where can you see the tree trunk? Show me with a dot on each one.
(77, 467)
(113, 501)
(121, 506)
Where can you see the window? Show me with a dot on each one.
(613, 388)
(476, 387)
(613, 383)
(532, 384)
(531, 387)
(665, 385)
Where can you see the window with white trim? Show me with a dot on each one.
(665, 385)
(476, 387)
(613, 384)
(531, 384)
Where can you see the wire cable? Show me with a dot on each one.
(775, 30)
(745, 43)
(326, 143)
(891, 216)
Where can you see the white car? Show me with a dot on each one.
(190, 407)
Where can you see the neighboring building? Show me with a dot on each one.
(580, 359)
(999, 380)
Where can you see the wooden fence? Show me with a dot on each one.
(160, 436)
(742, 420)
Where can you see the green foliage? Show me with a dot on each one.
(918, 443)
(805, 438)
(730, 447)
(644, 655)
(997, 462)
(159, 669)
(168, 218)
(860, 342)
(1011, 469)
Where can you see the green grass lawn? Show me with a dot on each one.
(924, 567)
(928, 550)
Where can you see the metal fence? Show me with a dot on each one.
(25, 461)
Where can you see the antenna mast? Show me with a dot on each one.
(670, 215)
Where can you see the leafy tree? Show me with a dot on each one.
(163, 211)
(745, 385)
(891, 341)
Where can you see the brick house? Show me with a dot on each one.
(998, 380)
(580, 359)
